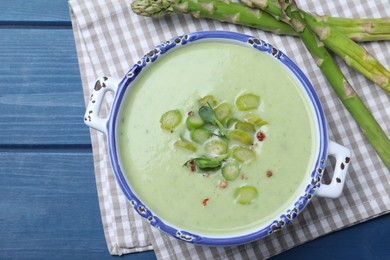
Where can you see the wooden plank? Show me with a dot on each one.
(41, 100)
(367, 240)
(49, 202)
(49, 207)
(18, 11)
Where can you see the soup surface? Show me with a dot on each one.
(193, 201)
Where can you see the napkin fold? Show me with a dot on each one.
(110, 38)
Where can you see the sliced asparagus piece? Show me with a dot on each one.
(169, 120)
(231, 122)
(222, 111)
(208, 100)
(247, 101)
(200, 135)
(230, 170)
(243, 154)
(254, 120)
(216, 147)
(194, 121)
(245, 195)
(186, 145)
(241, 136)
(245, 126)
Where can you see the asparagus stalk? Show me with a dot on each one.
(366, 29)
(226, 11)
(352, 53)
(358, 29)
(366, 37)
(363, 117)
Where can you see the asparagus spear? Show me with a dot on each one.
(219, 10)
(358, 29)
(352, 53)
(226, 11)
(363, 117)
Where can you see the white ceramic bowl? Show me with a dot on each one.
(314, 185)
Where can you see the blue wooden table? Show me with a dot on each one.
(48, 200)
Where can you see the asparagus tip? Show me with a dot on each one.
(152, 8)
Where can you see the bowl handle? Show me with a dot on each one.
(335, 187)
(91, 117)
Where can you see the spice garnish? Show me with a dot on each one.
(260, 136)
(204, 202)
(191, 165)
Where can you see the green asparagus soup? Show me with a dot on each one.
(211, 177)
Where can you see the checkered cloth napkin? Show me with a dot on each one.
(110, 38)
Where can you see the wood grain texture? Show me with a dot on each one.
(367, 240)
(49, 203)
(41, 99)
(49, 207)
(48, 200)
(19, 11)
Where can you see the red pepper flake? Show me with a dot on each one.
(260, 136)
(269, 174)
(205, 201)
(191, 165)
